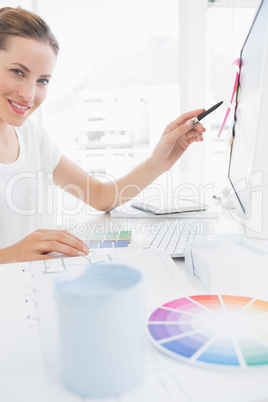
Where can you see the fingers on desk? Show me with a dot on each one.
(61, 241)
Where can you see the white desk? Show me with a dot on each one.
(28, 372)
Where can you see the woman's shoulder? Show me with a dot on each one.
(33, 135)
(36, 138)
(31, 128)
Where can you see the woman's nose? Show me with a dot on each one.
(27, 91)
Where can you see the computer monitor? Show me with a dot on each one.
(248, 166)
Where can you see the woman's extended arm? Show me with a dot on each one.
(176, 138)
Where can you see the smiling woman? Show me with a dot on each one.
(26, 69)
(25, 40)
(30, 163)
(28, 52)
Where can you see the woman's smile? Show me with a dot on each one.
(19, 107)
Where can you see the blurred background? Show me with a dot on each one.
(127, 68)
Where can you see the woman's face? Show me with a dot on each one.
(25, 71)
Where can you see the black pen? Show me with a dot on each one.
(197, 119)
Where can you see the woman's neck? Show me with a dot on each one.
(5, 131)
(9, 145)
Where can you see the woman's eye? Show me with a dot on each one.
(43, 81)
(16, 71)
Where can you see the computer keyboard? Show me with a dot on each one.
(172, 236)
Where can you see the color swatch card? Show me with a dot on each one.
(213, 331)
(107, 239)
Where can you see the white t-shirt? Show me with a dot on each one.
(26, 186)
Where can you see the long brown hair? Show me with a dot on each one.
(24, 23)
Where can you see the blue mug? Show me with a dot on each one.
(101, 329)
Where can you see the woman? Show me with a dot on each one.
(30, 162)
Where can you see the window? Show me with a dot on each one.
(116, 83)
(120, 78)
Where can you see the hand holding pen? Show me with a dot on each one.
(201, 116)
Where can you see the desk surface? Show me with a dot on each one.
(166, 379)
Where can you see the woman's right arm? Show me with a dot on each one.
(37, 246)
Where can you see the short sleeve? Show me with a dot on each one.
(40, 148)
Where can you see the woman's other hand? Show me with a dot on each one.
(38, 244)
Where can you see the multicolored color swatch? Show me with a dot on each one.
(107, 239)
(213, 330)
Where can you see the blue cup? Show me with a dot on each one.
(101, 329)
